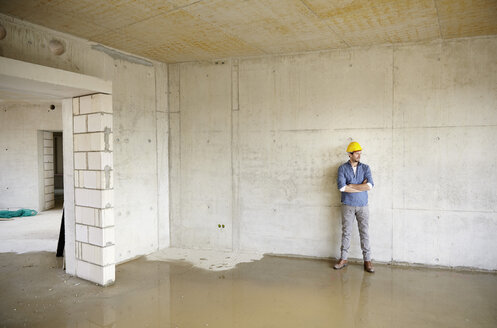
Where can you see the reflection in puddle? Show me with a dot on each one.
(271, 292)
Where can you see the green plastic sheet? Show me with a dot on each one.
(13, 214)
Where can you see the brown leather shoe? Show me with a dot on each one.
(340, 264)
(368, 266)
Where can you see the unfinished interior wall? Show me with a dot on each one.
(48, 169)
(205, 150)
(425, 114)
(26, 180)
(140, 127)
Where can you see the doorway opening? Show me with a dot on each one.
(58, 160)
(27, 172)
(86, 118)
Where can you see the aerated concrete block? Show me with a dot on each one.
(99, 160)
(94, 198)
(97, 141)
(82, 233)
(105, 217)
(101, 237)
(98, 255)
(75, 106)
(80, 124)
(99, 122)
(95, 104)
(85, 105)
(80, 161)
(50, 204)
(48, 174)
(98, 274)
(86, 215)
(48, 166)
(95, 179)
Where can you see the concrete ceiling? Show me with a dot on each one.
(185, 30)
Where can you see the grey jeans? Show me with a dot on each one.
(361, 213)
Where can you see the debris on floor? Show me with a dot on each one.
(5, 214)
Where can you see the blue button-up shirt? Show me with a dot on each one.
(346, 176)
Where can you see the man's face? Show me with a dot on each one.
(355, 157)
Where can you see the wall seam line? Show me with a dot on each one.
(168, 116)
(157, 160)
(392, 155)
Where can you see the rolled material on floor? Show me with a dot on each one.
(13, 214)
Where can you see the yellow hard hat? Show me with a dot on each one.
(353, 146)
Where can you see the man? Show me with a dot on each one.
(354, 180)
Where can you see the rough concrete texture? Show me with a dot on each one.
(271, 292)
(136, 99)
(205, 149)
(21, 156)
(187, 30)
(425, 114)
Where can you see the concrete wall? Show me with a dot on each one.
(140, 127)
(256, 143)
(22, 169)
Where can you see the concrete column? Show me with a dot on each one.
(93, 188)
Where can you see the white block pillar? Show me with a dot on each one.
(93, 188)
(48, 170)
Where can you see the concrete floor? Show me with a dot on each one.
(32, 233)
(271, 292)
